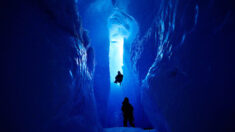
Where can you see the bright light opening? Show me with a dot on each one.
(115, 56)
(119, 27)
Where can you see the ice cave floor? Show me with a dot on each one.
(127, 129)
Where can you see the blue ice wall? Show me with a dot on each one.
(94, 15)
(47, 69)
(183, 56)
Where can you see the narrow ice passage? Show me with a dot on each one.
(122, 30)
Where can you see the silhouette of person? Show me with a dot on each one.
(127, 111)
(119, 78)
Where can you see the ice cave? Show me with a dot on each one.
(60, 61)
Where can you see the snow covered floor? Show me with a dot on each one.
(127, 129)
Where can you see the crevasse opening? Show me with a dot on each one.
(115, 52)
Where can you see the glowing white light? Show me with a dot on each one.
(115, 56)
(121, 26)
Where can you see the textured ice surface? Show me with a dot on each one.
(183, 64)
(49, 65)
(94, 15)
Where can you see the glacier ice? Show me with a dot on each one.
(49, 69)
(178, 61)
(180, 67)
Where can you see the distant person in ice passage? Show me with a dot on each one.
(127, 111)
(119, 78)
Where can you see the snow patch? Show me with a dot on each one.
(127, 129)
